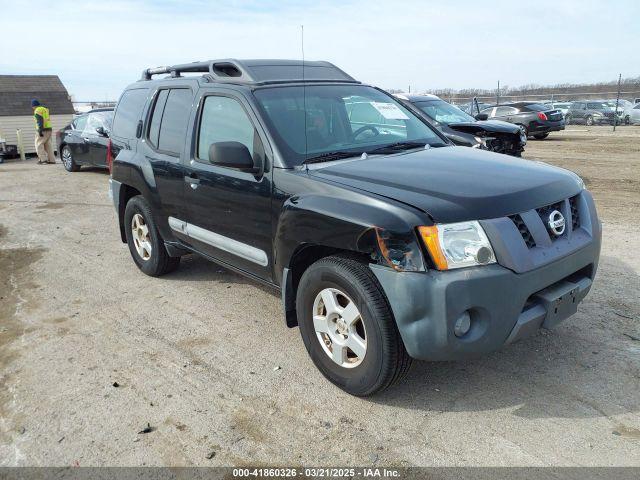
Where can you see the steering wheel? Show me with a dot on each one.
(361, 130)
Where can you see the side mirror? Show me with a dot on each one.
(231, 155)
(482, 116)
(102, 132)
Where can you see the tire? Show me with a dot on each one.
(67, 160)
(627, 120)
(351, 284)
(567, 120)
(588, 121)
(524, 129)
(541, 136)
(154, 261)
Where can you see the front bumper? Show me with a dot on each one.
(504, 306)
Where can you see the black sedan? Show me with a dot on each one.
(462, 129)
(85, 141)
(537, 120)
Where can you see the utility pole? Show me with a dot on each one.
(615, 114)
(498, 94)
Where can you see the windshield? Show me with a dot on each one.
(444, 112)
(344, 118)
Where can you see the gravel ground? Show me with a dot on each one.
(203, 355)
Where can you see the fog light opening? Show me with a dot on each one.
(462, 325)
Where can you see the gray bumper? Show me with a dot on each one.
(504, 306)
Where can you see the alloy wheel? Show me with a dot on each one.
(66, 158)
(339, 328)
(141, 238)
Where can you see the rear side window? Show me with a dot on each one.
(173, 126)
(80, 122)
(128, 113)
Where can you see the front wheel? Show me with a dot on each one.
(627, 120)
(567, 120)
(145, 243)
(589, 120)
(348, 328)
(67, 160)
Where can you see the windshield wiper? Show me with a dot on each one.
(327, 157)
(398, 146)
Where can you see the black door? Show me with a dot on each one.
(97, 143)
(75, 140)
(163, 145)
(228, 213)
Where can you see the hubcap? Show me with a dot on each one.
(339, 328)
(141, 239)
(66, 157)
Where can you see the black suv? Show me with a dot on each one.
(464, 130)
(535, 119)
(387, 242)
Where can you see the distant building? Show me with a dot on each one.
(16, 93)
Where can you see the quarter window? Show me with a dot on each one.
(224, 120)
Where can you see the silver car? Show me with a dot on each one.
(634, 115)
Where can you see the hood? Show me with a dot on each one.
(489, 126)
(454, 184)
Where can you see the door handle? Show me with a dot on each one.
(192, 180)
(86, 139)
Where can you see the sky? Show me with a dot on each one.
(99, 47)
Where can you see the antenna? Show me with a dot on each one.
(304, 95)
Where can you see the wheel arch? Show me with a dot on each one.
(127, 192)
(317, 226)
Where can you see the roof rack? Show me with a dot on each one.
(256, 71)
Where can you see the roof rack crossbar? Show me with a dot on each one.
(176, 70)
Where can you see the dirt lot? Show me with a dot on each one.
(204, 357)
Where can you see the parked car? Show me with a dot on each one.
(634, 115)
(590, 113)
(464, 130)
(386, 241)
(562, 106)
(473, 108)
(85, 140)
(536, 120)
(623, 109)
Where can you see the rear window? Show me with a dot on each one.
(535, 107)
(128, 113)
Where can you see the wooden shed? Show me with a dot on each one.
(16, 93)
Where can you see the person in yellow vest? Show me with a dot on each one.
(44, 143)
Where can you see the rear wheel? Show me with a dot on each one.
(541, 136)
(67, 160)
(145, 243)
(348, 328)
(589, 120)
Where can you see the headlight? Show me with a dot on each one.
(457, 245)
